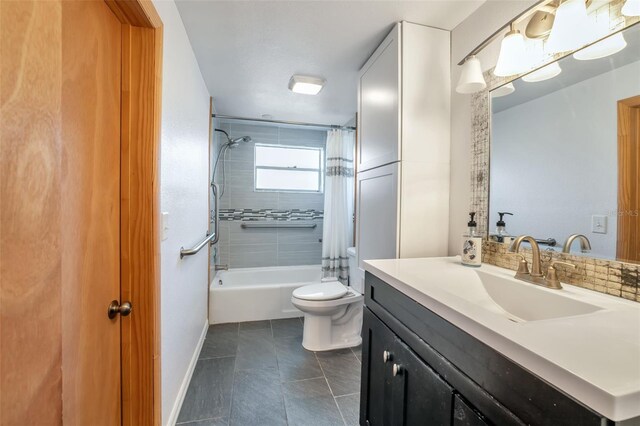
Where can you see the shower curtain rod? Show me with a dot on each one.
(293, 123)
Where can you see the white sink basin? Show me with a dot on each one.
(523, 302)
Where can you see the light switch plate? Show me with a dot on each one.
(165, 225)
(599, 224)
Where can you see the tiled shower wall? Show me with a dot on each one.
(243, 248)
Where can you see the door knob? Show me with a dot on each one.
(386, 356)
(116, 308)
(397, 369)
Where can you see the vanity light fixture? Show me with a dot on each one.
(306, 85)
(571, 27)
(471, 79)
(512, 58)
(631, 8)
(544, 73)
(505, 90)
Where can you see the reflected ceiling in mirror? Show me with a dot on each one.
(557, 160)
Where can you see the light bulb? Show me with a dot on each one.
(605, 47)
(571, 27)
(544, 73)
(471, 78)
(631, 8)
(505, 90)
(512, 59)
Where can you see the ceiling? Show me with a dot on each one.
(248, 50)
(573, 72)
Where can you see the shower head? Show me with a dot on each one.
(244, 139)
(232, 143)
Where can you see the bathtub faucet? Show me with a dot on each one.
(221, 267)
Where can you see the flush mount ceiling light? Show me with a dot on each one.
(512, 59)
(544, 73)
(505, 90)
(471, 79)
(631, 8)
(306, 85)
(571, 27)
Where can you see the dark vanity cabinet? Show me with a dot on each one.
(402, 389)
(418, 369)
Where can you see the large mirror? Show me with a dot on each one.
(565, 154)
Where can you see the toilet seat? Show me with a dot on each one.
(320, 292)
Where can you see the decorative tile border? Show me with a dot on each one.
(610, 277)
(231, 215)
(606, 276)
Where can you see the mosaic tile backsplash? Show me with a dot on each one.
(269, 214)
(605, 276)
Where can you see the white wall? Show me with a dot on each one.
(554, 160)
(184, 172)
(466, 36)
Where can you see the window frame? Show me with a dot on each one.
(320, 168)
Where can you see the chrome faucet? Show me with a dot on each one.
(550, 280)
(585, 244)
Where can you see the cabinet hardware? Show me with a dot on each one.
(397, 369)
(386, 356)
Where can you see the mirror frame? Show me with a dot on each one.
(613, 277)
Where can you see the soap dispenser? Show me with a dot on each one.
(501, 231)
(472, 245)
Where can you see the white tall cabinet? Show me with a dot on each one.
(403, 146)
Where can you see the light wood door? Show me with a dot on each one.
(91, 87)
(79, 203)
(628, 247)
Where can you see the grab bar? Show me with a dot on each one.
(210, 238)
(266, 224)
(551, 242)
(190, 252)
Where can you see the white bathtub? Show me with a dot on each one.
(252, 294)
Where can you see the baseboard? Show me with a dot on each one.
(177, 405)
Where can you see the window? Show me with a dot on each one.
(288, 168)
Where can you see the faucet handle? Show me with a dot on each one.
(523, 266)
(551, 279)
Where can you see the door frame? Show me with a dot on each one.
(140, 209)
(628, 194)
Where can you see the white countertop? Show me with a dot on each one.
(595, 358)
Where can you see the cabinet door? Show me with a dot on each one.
(420, 396)
(377, 224)
(379, 105)
(376, 372)
(464, 415)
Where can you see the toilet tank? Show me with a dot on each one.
(355, 279)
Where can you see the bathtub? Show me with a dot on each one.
(253, 294)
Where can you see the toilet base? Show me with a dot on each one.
(321, 333)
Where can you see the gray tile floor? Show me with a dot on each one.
(258, 373)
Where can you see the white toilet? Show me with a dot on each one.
(332, 311)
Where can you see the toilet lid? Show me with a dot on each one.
(323, 291)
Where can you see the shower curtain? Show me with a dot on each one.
(338, 204)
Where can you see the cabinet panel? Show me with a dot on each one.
(378, 213)
(464, 415)
(420, 395)
(376, 374)
(379, 106)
